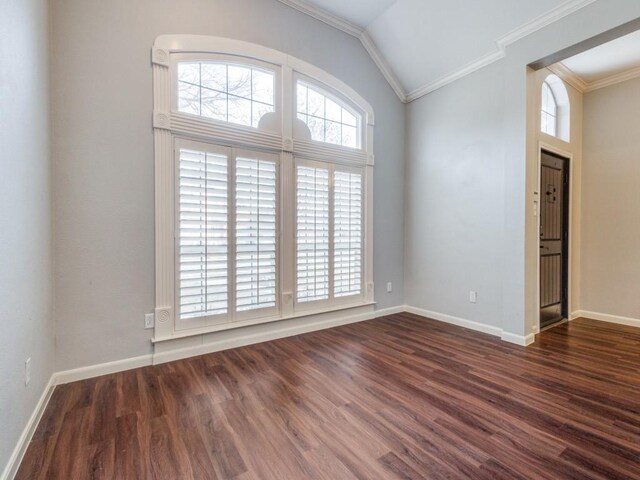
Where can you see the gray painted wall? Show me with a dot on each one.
(610, 277)
(25, 219)
(103, 151)
(470, 183)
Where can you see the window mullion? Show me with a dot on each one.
(231, 235)
(331, 169)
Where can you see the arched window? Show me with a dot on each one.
(230, 92)
(264, 178)
(555, 110)
(329, 120)
(549, 111)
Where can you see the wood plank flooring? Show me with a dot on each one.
(400, 397)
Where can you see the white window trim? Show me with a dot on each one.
(170, 125)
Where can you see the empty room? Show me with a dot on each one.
(320, 239)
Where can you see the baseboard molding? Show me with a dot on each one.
(605, 317)
(83, 373)
(390, 311)
(68, 376)
(215, 343)
(522, 340)
(461, 322)
(478, 327)
(27, 434)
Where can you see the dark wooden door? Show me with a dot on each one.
(554, 237)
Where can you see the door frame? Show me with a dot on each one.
(569, 157)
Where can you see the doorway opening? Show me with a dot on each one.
(554, 238)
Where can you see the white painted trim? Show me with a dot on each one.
(502, 43)
(523, 341)
(16, 457)
(468, 69)
(460, 322)
(566, 8)
(583, 86)
(542, 145)
(282, 330)
(357, 32)
(383, 312)
(324, 16)
(568, 76)
(613, 80)
(478, 327)
(383, 65)
(68, 376)
(605, 317)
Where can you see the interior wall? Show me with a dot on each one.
(103, 151)
(25, 216)
(572, 149)
(470, 183)
(610, 274)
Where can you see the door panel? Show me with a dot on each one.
(553, 239)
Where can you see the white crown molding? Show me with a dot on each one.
(457, 75)
(324, 16)
(561, 11)
(576, 81)
(382, 64)
(544, 20)
(357, 32)
(569, 77)
(613, 79)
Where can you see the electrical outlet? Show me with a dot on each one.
(27, 371)
(389, 287)
(473, 296)
(149, 320)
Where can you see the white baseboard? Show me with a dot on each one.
(461, 322)
(478, 327)
(27, 434)
(216, 342)
(390, 311)
(605, 317)
(68, 376)
(521, 340)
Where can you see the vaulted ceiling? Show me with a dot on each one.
(421, 45)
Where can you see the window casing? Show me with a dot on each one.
(242, 234)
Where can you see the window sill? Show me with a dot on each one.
(258, 321)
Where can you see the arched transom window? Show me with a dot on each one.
(549, 111)
(555, 109)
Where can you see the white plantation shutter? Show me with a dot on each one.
(347, 236)
(203, 233)
(256, 233)
(312, 233)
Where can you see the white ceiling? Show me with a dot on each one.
(426, 43)
(607, 60)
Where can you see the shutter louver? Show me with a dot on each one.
(203, 234)
(256, 234)
(347, 236)
(312, 233)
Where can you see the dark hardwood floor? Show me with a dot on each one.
(398, 397)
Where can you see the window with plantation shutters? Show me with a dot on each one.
(203, 233)
(329, 235)
(312, 233)
(256, 233)
(347, 236)
(264, 193)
